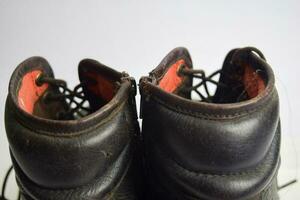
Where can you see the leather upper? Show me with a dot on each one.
(210, 150)
(85, 158)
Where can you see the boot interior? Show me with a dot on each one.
(238, 81)
(98, 86)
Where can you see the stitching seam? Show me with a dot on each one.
(71, 133)
(209, 116)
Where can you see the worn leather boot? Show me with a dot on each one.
(73, 144)
(221, 146)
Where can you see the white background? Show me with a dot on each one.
(135, 35)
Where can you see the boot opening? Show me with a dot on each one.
(240, 79)
(44, 96)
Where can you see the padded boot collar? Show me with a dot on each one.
(66, 126)
(149, 87)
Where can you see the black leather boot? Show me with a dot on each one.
(221, 146)
(73, 144)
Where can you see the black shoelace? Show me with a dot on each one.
(204, 80)
(2, 197)
(74, 99)
(200, 74)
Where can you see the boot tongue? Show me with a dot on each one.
(29, 95)
(243, 81)
(100, 83)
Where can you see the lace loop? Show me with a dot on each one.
(244, 52)
(200, 74)
(41, 79)
(238, 56)
(74, 99)
(8, 173)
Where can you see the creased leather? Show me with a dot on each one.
(197, 150)
(89, 158)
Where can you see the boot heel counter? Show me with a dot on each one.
(173, 181)
(70, 160)
(168, 138)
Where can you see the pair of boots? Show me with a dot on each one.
(86, 143)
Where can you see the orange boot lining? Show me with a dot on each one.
(171, 80)
(253, 82)
(29, 91)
